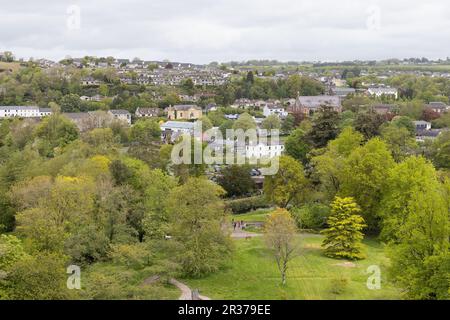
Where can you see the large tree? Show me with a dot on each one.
(196, 214)
(325, 127)
(236, 180)
(343, 235)
(288, 185)
(415, 221)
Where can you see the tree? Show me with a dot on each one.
(329, 165)
(415, 221)
(440, 151)
(324, 127)
(288, 124)
(399, 141)
(368, 123)
(245, 122)
(145, 139)
(343, 235)
(54, 131)
(296, 146)
(236, 180)
(364, 177)
(39, 277)
(279, 233)
(196, 220)
(288, 185)
(272, 122)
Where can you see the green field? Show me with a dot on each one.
(253, 216)
(252, 274)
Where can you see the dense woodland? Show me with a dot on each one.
(111, 195)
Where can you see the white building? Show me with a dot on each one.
(382, 91)
(272, 109)
(24, 112)
(263, 151)
(422, 125)
(122, 115)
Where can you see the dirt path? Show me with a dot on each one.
(186, 292)
(240, 234)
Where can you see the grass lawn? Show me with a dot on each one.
(252, 216)
(252, 274)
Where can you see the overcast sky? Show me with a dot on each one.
(202, 31)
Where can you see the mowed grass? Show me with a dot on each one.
(259, 215)
(252, 274)
(7, 66)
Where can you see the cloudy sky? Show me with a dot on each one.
(202, 31)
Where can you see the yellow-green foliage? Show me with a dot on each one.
(343, 237)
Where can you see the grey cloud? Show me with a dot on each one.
(223, 30)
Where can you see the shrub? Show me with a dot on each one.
(311, 216)
(338, 285)
(247, 204)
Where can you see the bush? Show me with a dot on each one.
(247, 204)
(135, 256)
(338, 285)
(311, 216)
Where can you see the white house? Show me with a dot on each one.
(273, 109)
(263, 151)
(122, 115)
(422, 125)
(382, 91)
(24, 112)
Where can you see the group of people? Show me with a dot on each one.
(238, 224)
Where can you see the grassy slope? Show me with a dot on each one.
(14, 66)
(252, 274)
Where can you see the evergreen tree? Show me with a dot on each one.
(343, 236)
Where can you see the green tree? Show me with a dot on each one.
(245, 122)
(297, 146)
(364, 177)
(279, 233)
(415, 212)
(324, 127)
(368, 123)
(288, 185)
(236, 180)
(272, 122)
(343, 236)
(196, 214)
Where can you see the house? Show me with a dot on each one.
(24, 112)
(261, 150)
(384, 109)
(274, 109)
(184, 112)
(342, 91)
(234, 116)
(308, 105)
(438, 107)
(382, 91)
(122, 115)
(210, 107)
(171, 130)
(431, 134)
(147, 112)
(90, 81)
(422, 125)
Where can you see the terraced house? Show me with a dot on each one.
(184, 112)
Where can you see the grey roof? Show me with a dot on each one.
(437, 105)
(318, 101)
(45, 110)
(183, 107)
(419, 122)
(148, 111)
(428, 133)
(119, 111)
(18, 107)
(177, 125)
